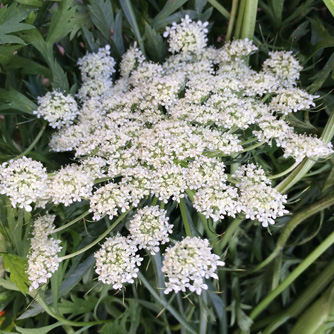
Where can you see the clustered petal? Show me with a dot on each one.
(43, 260)
(188, 263)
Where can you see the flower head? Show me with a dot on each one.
(117, 262)
(188, 263)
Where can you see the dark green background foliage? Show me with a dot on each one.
(40, 42)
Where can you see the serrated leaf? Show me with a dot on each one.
(17, 268)
(10, 18)
(13, 99)
(102, 15)
(62, 21)
(40, 330)
(154, 44)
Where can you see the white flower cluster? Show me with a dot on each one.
(258, 199)
(58, 109)
(284, 66)
(42, 260)
(117, 262)
(24, 181)
(188, 263)
(187, 36)
(71, 184)
(149, 227)
(96, 70)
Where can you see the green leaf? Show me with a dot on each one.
(59, 79)
(77, 305)
(7, 52)
(28, 66)
(10, 18)
(13, 99)
(40, 330)
(62, 21)
(17, 269)
(330, 5)
(130, 15)
(155, 46)
(34, 3)
(170, 7)
(102, 15)
(321, 76)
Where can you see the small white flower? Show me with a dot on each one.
(187, 36)
(188, 263)
(25, 182)
(117, 262)
(42, 259)
(58, 109)
(149, 228)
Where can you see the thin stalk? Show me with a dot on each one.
(231, 21)
(32, 145)
(252, 147)
(185, 218)
(220, 8)
(293, 311)
(329, 241)
(203, 311)
(96, 241)
(287, 171)
(249, 19)
(61, 228)
(231, 229)
(154, 201)
(307, 164)
(291, 225)
(241, 12)
(165, 304)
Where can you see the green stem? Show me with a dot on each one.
(231, 20)
(102, 236)
(300, 304)
(32, 145)
(293, 275)
(290, 169)
(49, 311)
(165, 304)
(220, 8)
(61, 228)
(154, 201)
(307, 164)
(231, 229)
(292, 224)
(241, 13)
(203, 312)
(185, 218)
(249, 19)
(252, 147)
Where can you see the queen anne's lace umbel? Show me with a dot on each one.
(188, 263)
(43, 260)
(168, 130)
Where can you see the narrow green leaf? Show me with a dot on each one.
(330, 5)
(130, 15)
(13, 99)
(155, 46)
(17, 268)
(40, 330)
(35, 3)
(8, 285)
(28, 66)
(170, 7)
(59, 79)
(322, 75)
(102, 15)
